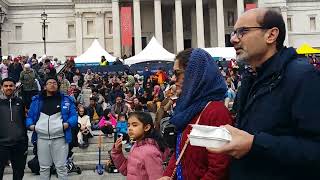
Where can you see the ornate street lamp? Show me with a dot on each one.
(44, 17)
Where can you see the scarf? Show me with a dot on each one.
(203, 82)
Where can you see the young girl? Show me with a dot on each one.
(107, 123)
(146, 156)
(85, 128)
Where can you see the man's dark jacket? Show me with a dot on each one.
(279, 105)
(13, 117)
(90, 111)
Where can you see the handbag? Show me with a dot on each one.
(186, 145)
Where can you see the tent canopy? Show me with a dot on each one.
(224, 52)
(152, 52)
(93, 54)
(307, 49)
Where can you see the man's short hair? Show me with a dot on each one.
(119, 96)
(47, 61)
(51, 77)
(273, 18)
(93, 99)
(8, 79)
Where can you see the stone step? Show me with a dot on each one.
(90, 156)
(85, 175)
(93, 148)
(93, 140)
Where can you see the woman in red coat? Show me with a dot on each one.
(202, 89)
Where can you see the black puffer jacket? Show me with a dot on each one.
(280, 107)
(12, 129)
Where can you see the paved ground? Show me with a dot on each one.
(86, 175)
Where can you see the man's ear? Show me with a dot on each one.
(147, 128)
(272, 35)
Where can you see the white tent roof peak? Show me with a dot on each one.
(152, 52)
(94, 53)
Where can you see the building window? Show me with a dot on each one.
(289, 24)
(18, 33)
(110, 27)
(71, 31)
(230, 18)
(90, 28)
(312, 23)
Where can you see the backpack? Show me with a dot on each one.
(168, 132)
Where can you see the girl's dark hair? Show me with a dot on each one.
(146, 119)
(106, 113)
(183, 57)
(122, 115)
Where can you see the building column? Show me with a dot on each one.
(240, 7)
(213, 25)
(194, 39)
(285, 19)
(116, 29)
(137, 26)
(79, 34)
(158, 21)
(100, 28)
(220, 24)
(174, 40)
(179, 26)
(200, 25)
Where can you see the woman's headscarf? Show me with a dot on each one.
(203, 83)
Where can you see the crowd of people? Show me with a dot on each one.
(273, 104)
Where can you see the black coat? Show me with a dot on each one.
(14, 71)
(90, 111)
(13, 129)
(280, 107)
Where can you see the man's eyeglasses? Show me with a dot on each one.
(239, 32)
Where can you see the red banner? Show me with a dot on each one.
(126, 26)
(250, 6)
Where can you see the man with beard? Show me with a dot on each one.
(119, 107)
(277, 134)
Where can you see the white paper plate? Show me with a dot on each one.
(210, 132)
(210, 143)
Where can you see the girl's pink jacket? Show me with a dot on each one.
(104, 122)
(144, 161)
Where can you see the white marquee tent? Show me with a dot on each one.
(224, 52)
(93, 54)
(152, 52)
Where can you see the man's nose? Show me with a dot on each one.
(234, 39)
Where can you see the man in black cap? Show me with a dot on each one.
(13, 133)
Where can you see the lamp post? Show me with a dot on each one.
(2, 17)
(44, 17)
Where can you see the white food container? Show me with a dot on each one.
(209, 136)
